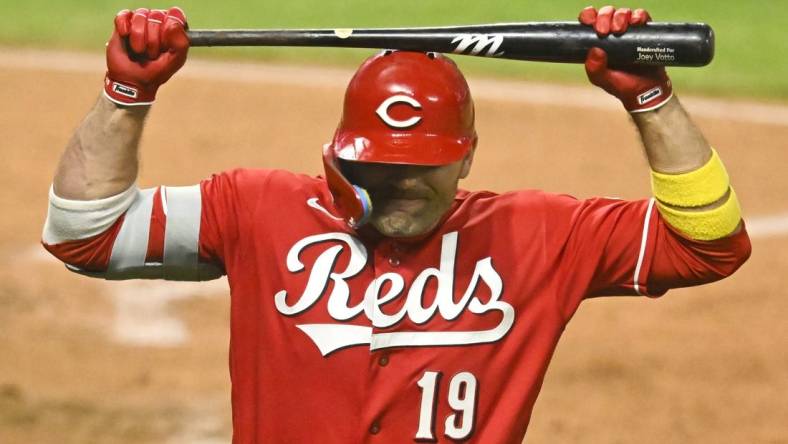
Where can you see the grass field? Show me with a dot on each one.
(749, 38)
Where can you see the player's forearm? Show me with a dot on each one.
(673, 144)
(100, 160)
(688, 179)
(672, 141)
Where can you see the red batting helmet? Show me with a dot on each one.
(402, 108)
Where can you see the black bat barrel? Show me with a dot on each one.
(669, 44)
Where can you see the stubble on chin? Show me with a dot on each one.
(407, 222)
(396, 224)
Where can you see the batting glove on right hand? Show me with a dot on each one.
(145, 50)
(640, 88)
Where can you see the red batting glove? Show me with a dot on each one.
(640, 88)
(145, 50)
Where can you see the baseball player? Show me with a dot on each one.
(378, 303)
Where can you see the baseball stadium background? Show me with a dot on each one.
(86, 361)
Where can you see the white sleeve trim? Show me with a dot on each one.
(69, 220)
(643, 243)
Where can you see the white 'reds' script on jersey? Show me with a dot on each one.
(332, 337)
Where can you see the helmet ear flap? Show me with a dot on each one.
(352, 201)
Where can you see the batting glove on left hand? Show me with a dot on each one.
(640, 88)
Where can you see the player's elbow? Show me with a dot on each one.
(80, 232)
(687, 262)
(737, 259)
(80, 255)
(732, 253)
(740, 251)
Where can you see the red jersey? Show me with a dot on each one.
(340, 336)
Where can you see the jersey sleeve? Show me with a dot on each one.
(616, 247)
(173, 233)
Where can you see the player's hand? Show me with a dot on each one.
(145, 50)
(640, 88)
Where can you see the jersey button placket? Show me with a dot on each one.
(394, 255)
(382, 255)
(393, 251)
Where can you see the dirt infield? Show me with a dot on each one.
(85, 361)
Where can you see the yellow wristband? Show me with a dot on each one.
(697, 188)
(704, 225)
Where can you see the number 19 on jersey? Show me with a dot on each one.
(462, 394)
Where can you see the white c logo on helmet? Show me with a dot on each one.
(383, 111)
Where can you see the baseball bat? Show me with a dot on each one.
(668, 44)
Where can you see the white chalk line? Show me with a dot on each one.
(766, 227)
(143, 308)
(511, 91)
(201, 426)
(144, 317)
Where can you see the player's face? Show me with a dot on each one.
(408, 200)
